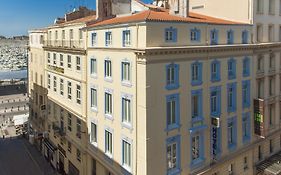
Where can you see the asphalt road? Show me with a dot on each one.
(16, 160)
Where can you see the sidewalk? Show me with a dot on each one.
(39, 159)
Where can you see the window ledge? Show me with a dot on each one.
(172, 127)
(172, 86)
(108, 79)
(197, 162)
(196, 83)
(213, 80)
(127, 125)
(94, 109)
(174, 171)
(126, 170)
(126, 83)
(95, 144)
(232, 147)
(246, 139)
(109, 116)
(95, 76)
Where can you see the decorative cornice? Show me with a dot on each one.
(143, 55)
(76, 51)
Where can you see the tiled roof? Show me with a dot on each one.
(162, 16)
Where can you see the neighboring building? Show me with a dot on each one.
(154, 90)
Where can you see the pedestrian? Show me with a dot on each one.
(3, 136)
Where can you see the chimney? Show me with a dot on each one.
(179, 7)
(104, 9)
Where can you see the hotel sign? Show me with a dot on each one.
(56, 69)
(259, 117)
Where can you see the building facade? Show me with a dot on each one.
(173, 87)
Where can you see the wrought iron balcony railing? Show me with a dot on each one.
(78, 44)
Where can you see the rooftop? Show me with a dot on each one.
(161, 15)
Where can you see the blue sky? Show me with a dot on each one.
(18, 16)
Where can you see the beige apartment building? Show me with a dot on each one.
(169, 88)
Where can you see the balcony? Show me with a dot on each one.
(76, 45)
(271, 71)
(59, 130)
(260, 73)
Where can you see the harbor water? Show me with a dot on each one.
(8, 75)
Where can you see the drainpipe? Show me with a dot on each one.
(136, 123)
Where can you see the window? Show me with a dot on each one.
(271, 33)
(55, 84)
(196, 73)
(230, 169)
(271, 115)
(108, 143)
(78, 128)
(126, 38)
(246, 127)
(80, 34)
(173, 157)
(231, 69)
(71, 34)
(271, 146)
(78, 155)
(69, 122)
(69, 146)
(280, 26)
(94, 39)
(259, 152)
(245, 163)
(69, 61)
(69, 90)
(172, 102)
(171, 34)
(108, 38)
(107, 69)
(172, 79)
(246, 94)
(259, 33)
(94, 98)
(260, 63)
(231, 97)
(231, 133)
(78, 63)
(126, 71)
(246, 67)
(230, 37)
(93, 133)
(108, 103)
(126, 110)
(245, 37)
(260, 6)
(93, 66)
(78, 94)
(260, 88)
(271, 86)
(49, 58)
(126, 154)
(214, 37)
(195, 147)
(272, 61)
(61, 60)
(215, 97)
(56, 35)
(195, 35)
(63, 34)
(271, 8)
(61, 86)
(54, 58)
(49, 81)
(196, 104)
(215, 71)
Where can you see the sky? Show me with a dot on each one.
(19, 16)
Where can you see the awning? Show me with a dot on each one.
(49, 145)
